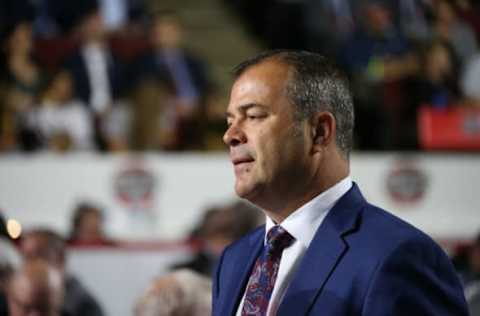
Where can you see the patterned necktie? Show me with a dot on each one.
(264, 273)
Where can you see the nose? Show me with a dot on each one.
(234, 136)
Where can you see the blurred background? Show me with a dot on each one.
(112, 166)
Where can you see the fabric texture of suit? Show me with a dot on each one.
(362, 261)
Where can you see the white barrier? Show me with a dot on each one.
(155, 196)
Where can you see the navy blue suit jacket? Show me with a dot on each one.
(362, 261)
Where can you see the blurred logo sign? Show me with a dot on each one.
(406, 183)
(134, 186)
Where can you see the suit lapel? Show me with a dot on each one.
(240, 271)
(323, 255)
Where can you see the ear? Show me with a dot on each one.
(323, 130)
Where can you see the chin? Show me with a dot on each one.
(247, 192)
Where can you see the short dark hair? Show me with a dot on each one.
(317, 85)
(81, 211)
(52, 245)
(165, 15)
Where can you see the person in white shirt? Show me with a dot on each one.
(61, 122)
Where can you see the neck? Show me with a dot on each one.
(323, 179)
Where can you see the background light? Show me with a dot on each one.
(14, 228)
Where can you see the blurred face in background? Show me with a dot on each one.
(36, 290)
(93, 27)
(445, 12)
(166, 33)
(62, 87)
(90, 227)
(20, 40)
(377, 18)
(438, 62)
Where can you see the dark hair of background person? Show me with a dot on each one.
(164, 14)
(50, 246)
(80, 212)
(317, 85)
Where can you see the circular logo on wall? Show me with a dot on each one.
(406, 183)
(134, 186)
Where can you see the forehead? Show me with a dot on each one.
(261, 84)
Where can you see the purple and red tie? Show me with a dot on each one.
(264, 273)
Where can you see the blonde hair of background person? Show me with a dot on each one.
(180, 293)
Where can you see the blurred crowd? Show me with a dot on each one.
(116, 75)
(35, 279)
(399, 55)
(80, 84)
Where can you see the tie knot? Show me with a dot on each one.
(278, 239)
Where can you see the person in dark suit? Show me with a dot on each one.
(324, 249)
(97, 74)
(183, 72)
(96, 71)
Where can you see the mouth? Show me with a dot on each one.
(244, 160)
(241, 165)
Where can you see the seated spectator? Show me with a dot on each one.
(87, 226)
(20, 81)
(437, 81)
(181, 293)
(97, 74)
(414, 17)
(60, 122)
(329, 24)
(469, 11)
(449, 27)
(182, 71)
(49, 246)
(378, 59)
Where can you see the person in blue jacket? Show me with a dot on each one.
(324, 249)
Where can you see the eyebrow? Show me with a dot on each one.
(245, 107)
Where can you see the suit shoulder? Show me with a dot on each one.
(383, 228)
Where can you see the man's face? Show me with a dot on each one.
(268, 148)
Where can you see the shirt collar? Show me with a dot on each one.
(303, 223)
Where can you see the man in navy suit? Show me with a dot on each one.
(290, 124)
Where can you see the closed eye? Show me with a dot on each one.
(256, 116)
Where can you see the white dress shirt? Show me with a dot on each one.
(96, 61)
(302, 224)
